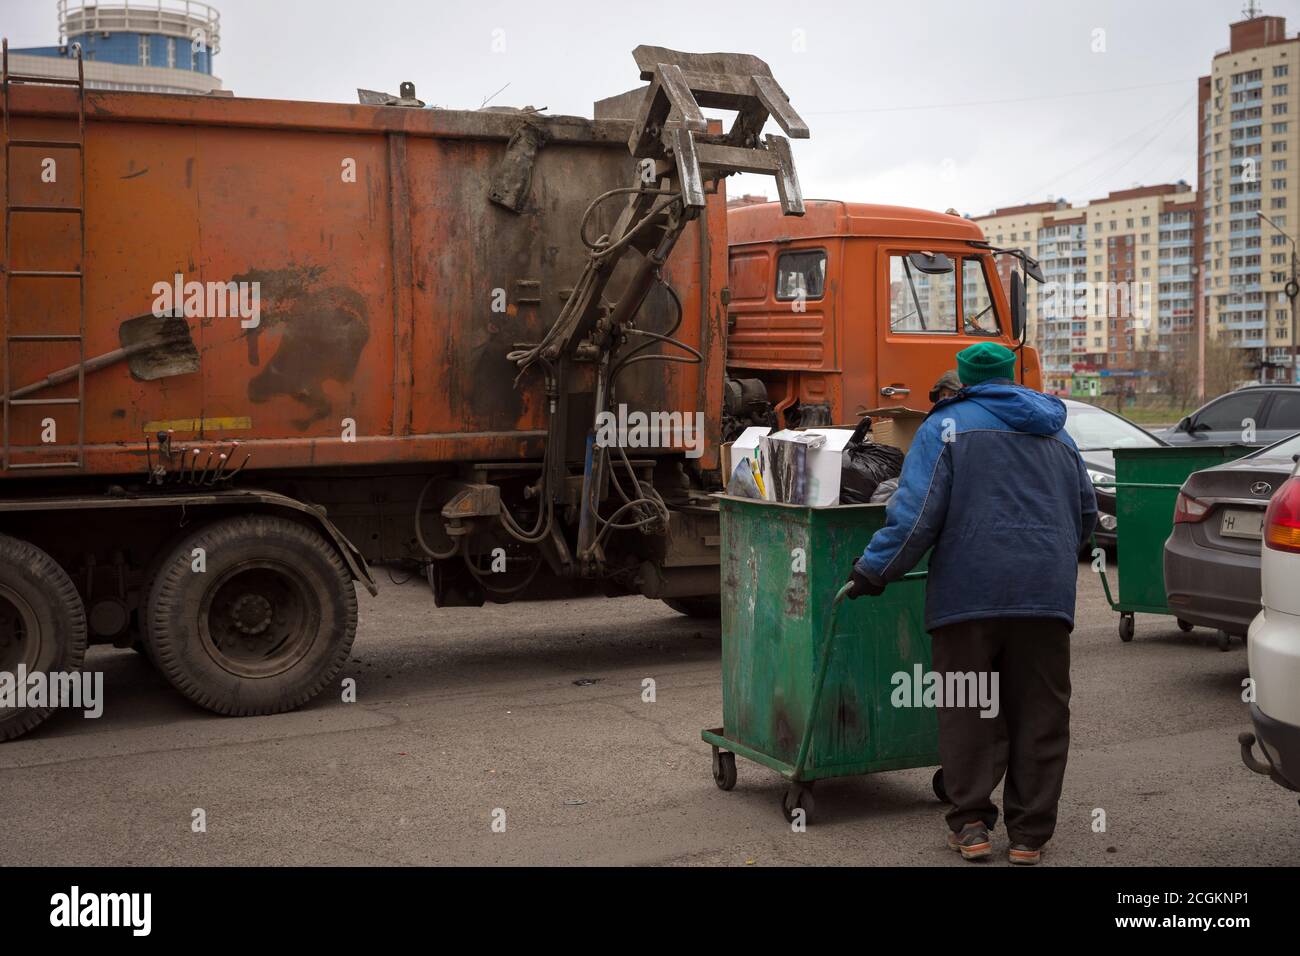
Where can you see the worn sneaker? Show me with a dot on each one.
(1023, 855)
(972, 842)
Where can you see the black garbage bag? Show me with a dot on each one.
(864, 465)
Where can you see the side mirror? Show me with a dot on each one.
(1034, 270)
(1017, 306)
(930, 263)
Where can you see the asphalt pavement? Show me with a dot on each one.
(518, 734)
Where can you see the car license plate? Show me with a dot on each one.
(1237, 523)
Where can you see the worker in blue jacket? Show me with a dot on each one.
(995, 486)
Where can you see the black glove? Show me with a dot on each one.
(861, 585)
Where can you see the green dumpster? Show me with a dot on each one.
(1146, 486)
(782, 568)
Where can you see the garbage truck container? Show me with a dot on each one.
(782, 630)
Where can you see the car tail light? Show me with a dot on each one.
(1282, 520)
(1187, 510)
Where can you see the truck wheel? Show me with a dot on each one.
(42, 624)
(705, 607)
(263, 627)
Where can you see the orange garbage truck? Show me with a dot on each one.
(251, 347)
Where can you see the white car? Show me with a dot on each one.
(1273, 644)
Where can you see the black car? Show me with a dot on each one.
(1098, 433)
(1212, 554)
(1252, 415)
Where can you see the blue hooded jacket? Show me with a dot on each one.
(1000, 492)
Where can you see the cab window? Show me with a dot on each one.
(920, 302)
(978, 315)
(801, 275)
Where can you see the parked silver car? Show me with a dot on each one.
(1212, 554)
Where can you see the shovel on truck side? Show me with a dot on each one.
(153, 346)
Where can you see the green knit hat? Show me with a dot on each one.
(984, 361)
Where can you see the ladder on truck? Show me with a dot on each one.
(7, 273)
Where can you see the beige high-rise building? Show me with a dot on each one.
(1119, 290)
(1249, 163)
(1139, 246)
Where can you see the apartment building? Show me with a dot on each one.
(1139, 287)
(1119, 289)
(1248, 165)
(1062, 303)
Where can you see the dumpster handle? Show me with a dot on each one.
(806, 742)
(1105, 584)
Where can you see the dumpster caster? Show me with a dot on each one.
(936, 784)
(1185, 626)
(1126, 627)
(798, 796)
(1223, 639)
(724, 769)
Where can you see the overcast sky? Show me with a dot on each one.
(938, 104)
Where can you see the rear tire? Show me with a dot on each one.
(702, 607)
(42, 624)
(264, 627)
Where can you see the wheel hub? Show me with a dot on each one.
(251, 614)
(259, 618)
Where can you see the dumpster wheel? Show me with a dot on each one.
(798, 796)
(724, 769)
(1126, 627)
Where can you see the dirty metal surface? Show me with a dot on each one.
(376, 296)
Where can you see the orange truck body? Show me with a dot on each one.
(837, 351)
(391, 289)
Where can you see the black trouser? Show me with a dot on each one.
(1028, 741)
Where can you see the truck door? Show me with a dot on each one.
(926, 319)
(917, 329)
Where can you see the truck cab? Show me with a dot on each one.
(855, 307)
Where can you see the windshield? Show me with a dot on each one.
(1094, 429)
(1283, 449)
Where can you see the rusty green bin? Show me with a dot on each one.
(1146, 486)
(782, 569)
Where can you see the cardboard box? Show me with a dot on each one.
(823, 463)
(895, 425)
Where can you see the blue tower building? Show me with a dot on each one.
(157, 46)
